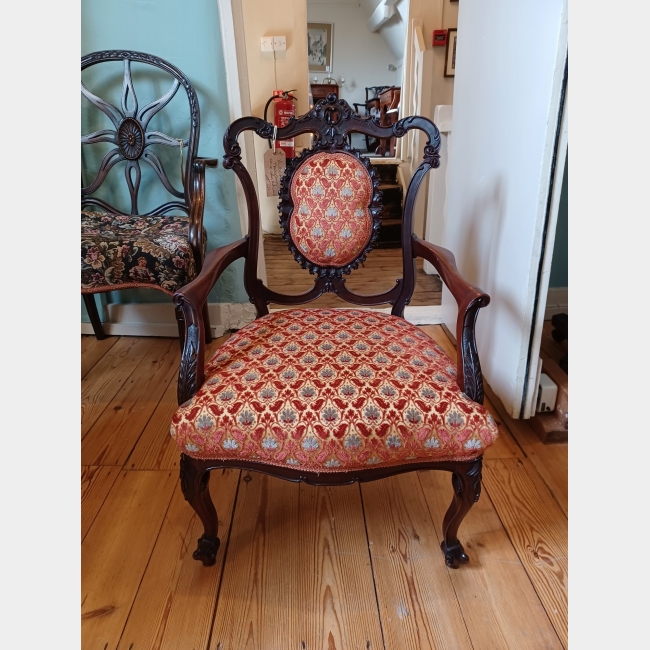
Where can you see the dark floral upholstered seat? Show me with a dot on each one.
(122, 251)
(331, 390)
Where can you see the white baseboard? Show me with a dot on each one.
(417, 315)
(159, 319)
(557, 302)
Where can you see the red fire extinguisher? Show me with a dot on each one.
(283, 110)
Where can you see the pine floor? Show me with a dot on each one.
(300, 567)
(377, 274)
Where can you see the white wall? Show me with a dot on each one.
(278, 18)
(510, 63)
(360, 55)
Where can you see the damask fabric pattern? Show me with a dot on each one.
(331, 390)
(331, 222)
(122, 251)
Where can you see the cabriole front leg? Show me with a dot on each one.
(466, 479)
(194, 484)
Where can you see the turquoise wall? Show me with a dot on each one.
(560, 263)
(187, 34)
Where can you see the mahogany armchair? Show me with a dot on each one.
(122, 249)
(324, 396)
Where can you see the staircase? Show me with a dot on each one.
(390, 233)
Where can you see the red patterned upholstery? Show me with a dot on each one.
(331, 224)
(331, 390)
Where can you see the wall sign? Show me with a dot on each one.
(450, 56)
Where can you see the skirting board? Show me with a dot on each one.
(557, 302)
(159, 319)
(416, 315)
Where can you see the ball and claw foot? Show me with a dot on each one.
(455, 555)
(206, 551)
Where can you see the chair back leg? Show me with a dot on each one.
(206, 323)
(95, 321)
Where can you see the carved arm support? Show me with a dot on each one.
(191, 299)
(197, 205)
(469, 299)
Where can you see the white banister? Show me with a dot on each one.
(437, 195)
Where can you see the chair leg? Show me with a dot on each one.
(194, 484)
(466, 480)
(180, 319)
(206, 323)
(91, 308)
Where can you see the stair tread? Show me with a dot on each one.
(389, 186)
(390, 222)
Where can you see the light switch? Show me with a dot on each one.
(280, 43)
(267, 43)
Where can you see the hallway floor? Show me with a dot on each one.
(380, 270)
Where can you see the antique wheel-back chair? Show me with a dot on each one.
(127, 249)
(324, 396)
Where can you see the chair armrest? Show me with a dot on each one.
(469, 299)
(197, 205)
(191, 299)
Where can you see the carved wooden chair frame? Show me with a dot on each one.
(330, 121)
(131, 138)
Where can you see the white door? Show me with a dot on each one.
(507, 150)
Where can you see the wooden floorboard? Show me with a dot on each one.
(537, 529)
(499, 603)
(92, 350)
(304, 567)
(554, 349)
(113, 436)
(115, 553)
(336, 591)
(260, 580)
(174, 606)
(550, 461)
(298, 571)
(96, 483)
(418, 605)
(104, 380)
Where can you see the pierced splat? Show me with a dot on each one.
(130, 134)
(330, 122)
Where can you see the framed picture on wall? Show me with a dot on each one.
(450, 56)
(319, 46)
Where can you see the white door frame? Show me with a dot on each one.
(233, 42)
(548, 242)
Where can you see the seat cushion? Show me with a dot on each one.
(331, 390)
(122, 251)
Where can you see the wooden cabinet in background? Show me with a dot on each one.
(321, 91)
(388, 114)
